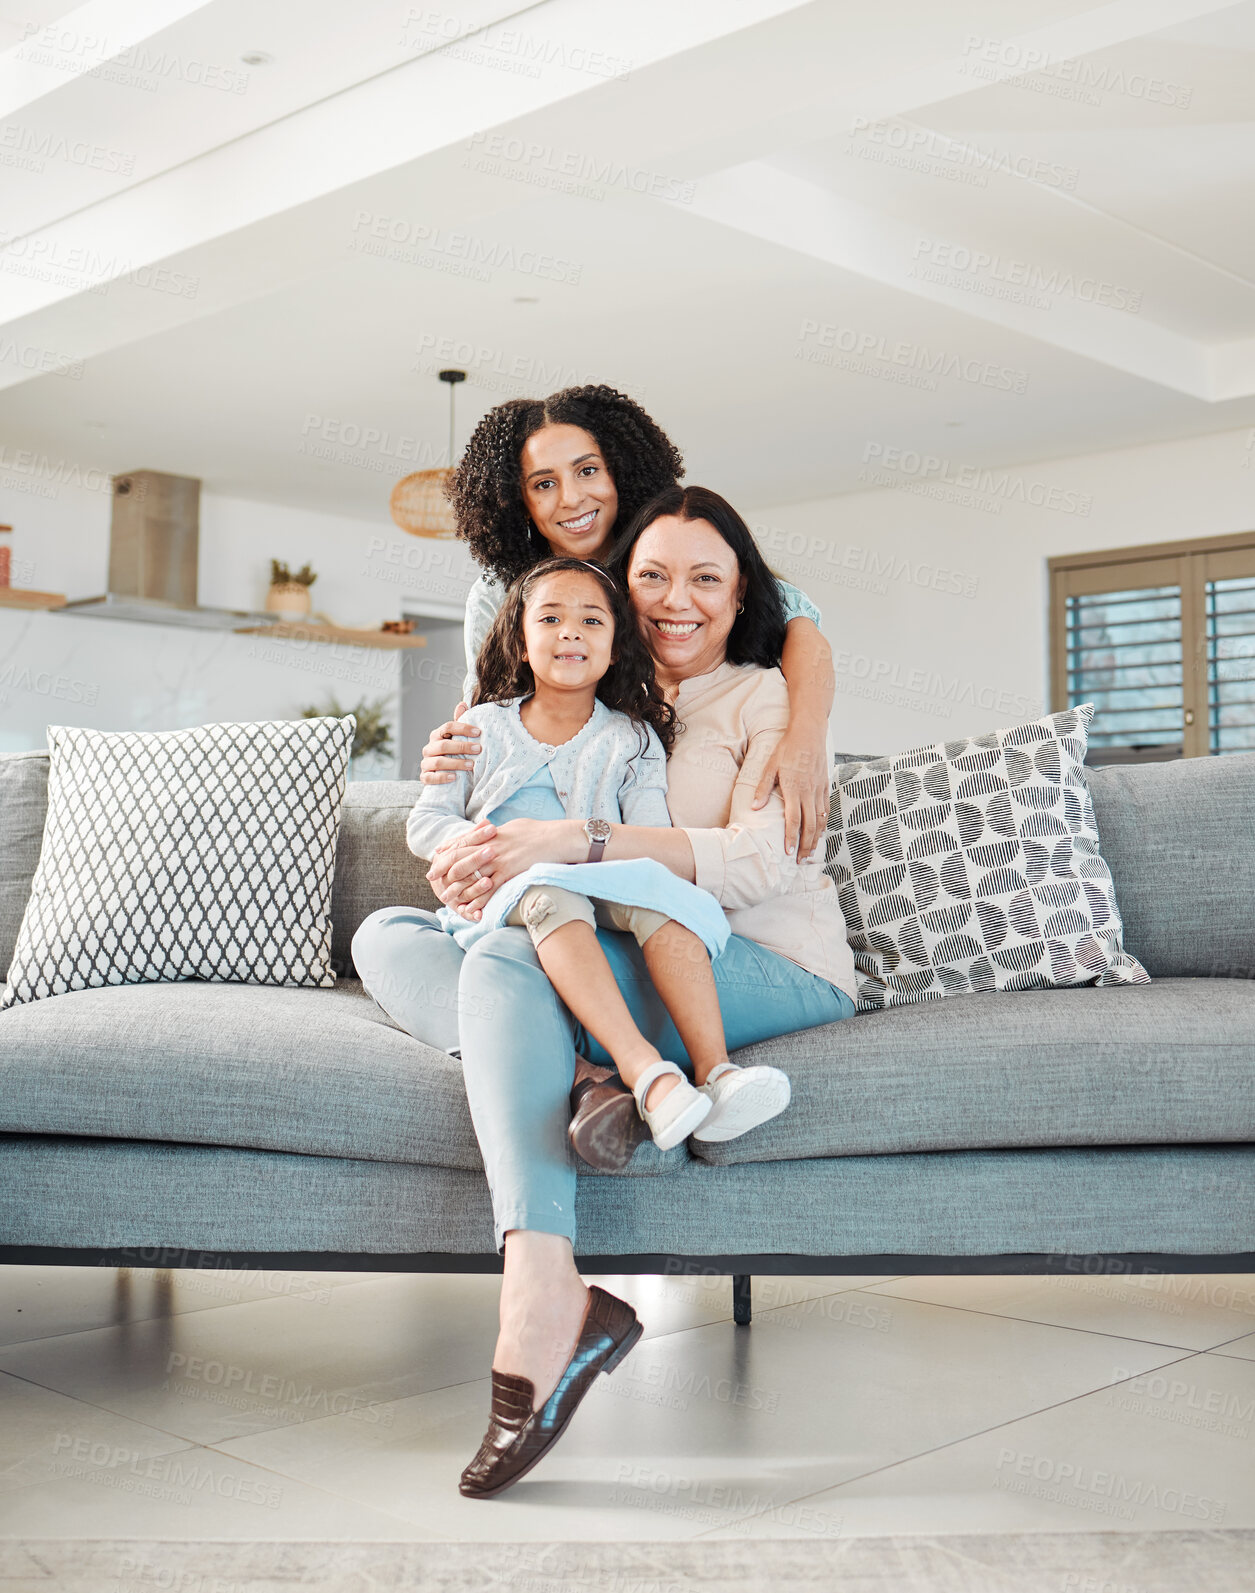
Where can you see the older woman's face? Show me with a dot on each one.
(685, 583)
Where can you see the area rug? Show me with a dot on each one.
(1150, 1562)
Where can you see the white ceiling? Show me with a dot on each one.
(768, 221)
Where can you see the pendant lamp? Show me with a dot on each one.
(418, 503)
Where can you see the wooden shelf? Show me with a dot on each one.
(291, 630)
(295, 630)
(22, 597)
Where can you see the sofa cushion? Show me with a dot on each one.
(1180, 841)
(321, 1071)
(197, 1207)
(1163, 1063)
(23, 805)
(374, 866)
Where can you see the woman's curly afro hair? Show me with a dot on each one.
(486, 490)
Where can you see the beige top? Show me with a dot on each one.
(733, 718)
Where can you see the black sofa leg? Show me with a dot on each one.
(741, 1302)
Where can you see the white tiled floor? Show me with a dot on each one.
(155, 1405)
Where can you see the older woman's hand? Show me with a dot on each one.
(496, 853)
(459, 871)
(521, 842)
(799, 765)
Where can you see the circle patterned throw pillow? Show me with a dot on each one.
(974, 865)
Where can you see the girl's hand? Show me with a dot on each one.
(450, 747)
(799, 765)
(453, 868)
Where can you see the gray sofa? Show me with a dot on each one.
(205, 1125)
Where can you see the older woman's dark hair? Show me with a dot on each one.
(757, 634)
(486, 488)
(629, 685)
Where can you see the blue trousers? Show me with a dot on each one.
(518, 1041)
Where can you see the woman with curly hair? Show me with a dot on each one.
(562, 475)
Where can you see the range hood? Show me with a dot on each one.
(154, 544)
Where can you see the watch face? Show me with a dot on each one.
(597, 830)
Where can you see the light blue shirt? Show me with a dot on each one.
(486, 595)
(536, 798)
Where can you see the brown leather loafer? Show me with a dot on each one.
(605, 1126)
(518, 1436)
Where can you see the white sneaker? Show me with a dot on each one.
(742, 1098)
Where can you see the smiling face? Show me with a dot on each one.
(568, 492)
(568, 631)
(685, 583)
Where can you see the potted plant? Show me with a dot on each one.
(289, 593)
(372, 737)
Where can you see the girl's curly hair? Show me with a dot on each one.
(486, 492)
(629, 686)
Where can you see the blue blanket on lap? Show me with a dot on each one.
(632, 882)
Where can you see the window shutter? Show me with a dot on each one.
(1124, 656)
(1229, 593)
(1162, 641)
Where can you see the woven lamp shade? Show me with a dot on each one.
(419, 506)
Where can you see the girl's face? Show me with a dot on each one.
(568, 491)
(568, 631)
(685, 583)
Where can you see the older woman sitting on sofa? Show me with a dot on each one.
(711, 615)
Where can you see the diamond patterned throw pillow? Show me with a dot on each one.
(185, 854)
(974, 865)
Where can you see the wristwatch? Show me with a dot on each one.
(598, 833)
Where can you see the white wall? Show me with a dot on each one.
(934, 593)
(113, 675)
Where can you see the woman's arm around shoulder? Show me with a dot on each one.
(799, 764)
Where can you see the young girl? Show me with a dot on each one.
(573, 725)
